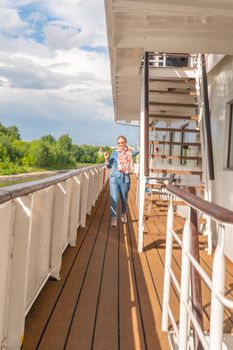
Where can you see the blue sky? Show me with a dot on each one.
(54, 71)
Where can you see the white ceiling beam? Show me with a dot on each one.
(178, 42)
(181, 7)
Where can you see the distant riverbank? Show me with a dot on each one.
(7, 180)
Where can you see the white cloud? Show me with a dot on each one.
(49, 82)
(10, 21)
(87, 15)
(58, 37)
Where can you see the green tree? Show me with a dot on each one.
(21, 150)
(39, 154)
(48, 138)
(65, 142)
(6, 141)
(61, 157)
(3, 129)
(13, 131)
(3, 154)
(47, 152)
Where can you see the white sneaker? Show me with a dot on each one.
(124, 218)
(113, 222)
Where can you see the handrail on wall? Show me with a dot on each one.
(215, 211)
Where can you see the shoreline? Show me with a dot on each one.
(37, 174)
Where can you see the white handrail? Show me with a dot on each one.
(216, 285)
(194, 262)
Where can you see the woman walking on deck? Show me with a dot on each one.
(121, 161)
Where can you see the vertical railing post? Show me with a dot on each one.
(196, 292)
(168, 258)
(19, 272)
(209, 235)
(7, 211)
(141, 213)
(84, 197)
(218, 287)
(57, 229)
(146, 113)
(74, 210)
(142, 164)
(207, 119)
(185, 285)
(104, 176)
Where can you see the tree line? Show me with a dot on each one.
(47, 152)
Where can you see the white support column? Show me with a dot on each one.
(57, 230)
(36, 244)
(101, 180)
(6, 219)
(47, 230)
(67, 185)
(218, 287)
(168, 258)
(84, 198)
(74, 210)
(90, 191)
(19, 272)
(209, 235)
(207, 183)
(141, 213)
(100, 172)
(142, 179)
(185, 284)
(96, 181)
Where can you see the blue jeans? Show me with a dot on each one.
(119, 184)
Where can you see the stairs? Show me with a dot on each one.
(174, 133)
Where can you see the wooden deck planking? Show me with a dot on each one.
(60, 325)
(106, 326)
(153, 275)
(81, 332)
(109, 296)
(131, 332)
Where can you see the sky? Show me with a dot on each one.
(54, 71)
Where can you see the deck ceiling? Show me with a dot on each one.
(135, 26)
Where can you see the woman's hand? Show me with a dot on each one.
(106, 155)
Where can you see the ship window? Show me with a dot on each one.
(230, 144)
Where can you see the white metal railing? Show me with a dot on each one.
(38, 220)
(216, 284)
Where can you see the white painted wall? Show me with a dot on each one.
(212, 61)
(220, 82)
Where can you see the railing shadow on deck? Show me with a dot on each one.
(145, 312)
(228, 323)
(161, 242)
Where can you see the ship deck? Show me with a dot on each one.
(109, 296)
